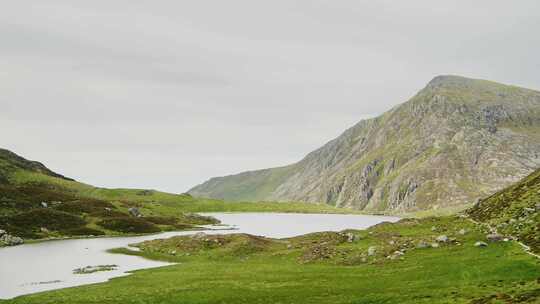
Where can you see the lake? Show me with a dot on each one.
(31, 268)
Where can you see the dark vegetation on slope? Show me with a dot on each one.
(37, 203)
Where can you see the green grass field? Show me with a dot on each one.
(324, 268)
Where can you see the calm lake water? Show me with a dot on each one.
(49, 265)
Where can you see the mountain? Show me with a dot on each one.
(514, 211)
(456, 140)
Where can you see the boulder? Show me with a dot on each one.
(442, 238)
(463, 231)
(480, 244)
(2, 232)
(350, 237)
(10, 240)
(134, 211)
(434, 245)
(422, 244)
(494, 237)
(44, 205)
(372, 250)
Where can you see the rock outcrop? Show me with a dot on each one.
(457, 140)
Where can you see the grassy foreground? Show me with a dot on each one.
(326, 268)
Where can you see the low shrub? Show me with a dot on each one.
(128, 225)
(83, 231)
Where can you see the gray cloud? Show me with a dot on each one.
(166, 94)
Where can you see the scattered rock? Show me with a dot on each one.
(350, 237)
(92, 269)
(10, 240)
(44, 230)
(2, 232)
(44, 205)
(392, 242)
(494, 237)
(480, 244)
(395, 255)
(134, 211)
(433, 228)
(463, 231)
(512, 221)
(422, 244)
(442, 238)
(529, 210)
(434, 245)
(372, 250)
(289, 246)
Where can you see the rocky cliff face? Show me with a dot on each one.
(457, 140)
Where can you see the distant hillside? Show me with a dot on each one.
(457, 140)
(514, 210)
(10, 162)
(36, 203)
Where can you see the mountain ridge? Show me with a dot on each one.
(452, 122)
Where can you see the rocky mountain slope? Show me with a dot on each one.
(456, 140)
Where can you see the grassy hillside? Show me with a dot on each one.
(514, 211)
(325, 267)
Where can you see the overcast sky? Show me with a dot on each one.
(166, 94)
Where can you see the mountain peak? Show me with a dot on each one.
(454, 81)
(437, 150)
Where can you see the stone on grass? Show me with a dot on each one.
(10, 240)
(422, 244)
(371, 250)
(494, 237)
(480, 244)
(350, 237)
(134, 211)
(442, 238)
(434, 245)
(463, 231)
